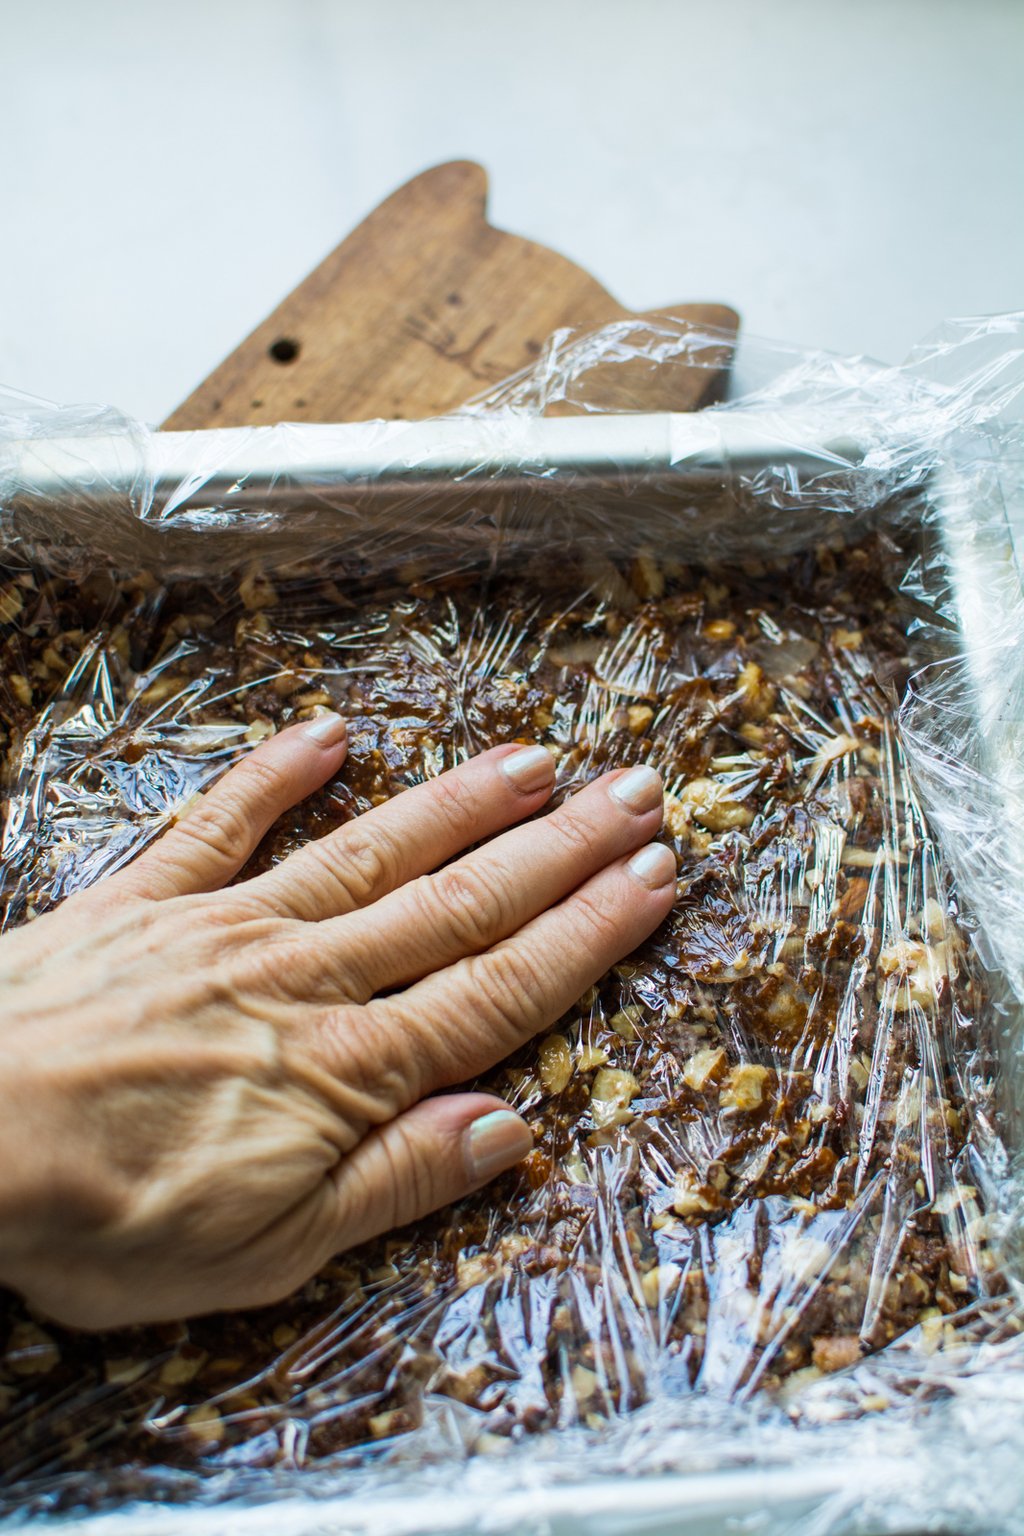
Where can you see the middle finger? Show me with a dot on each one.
(490, 893)
(412, 833)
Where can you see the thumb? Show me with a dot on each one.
(434, 1153)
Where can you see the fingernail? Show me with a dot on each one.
(530, 769)
(327, 730)
(495, 1142)
(654, 866)
(640, 789)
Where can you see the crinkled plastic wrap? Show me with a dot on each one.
(765, 1257)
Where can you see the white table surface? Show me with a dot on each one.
(846, 172)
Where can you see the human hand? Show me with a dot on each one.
(206, 1092)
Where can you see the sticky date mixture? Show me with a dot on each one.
(750, 1138)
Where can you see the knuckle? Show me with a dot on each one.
(221, 826)
(594, 922)
(380, 1068)
(384, 1190)
(429, 1045)
(471, 904)
(368, 861)
(361, 863)
(277, 963)
(512, 984)
(410, 1181)
(349, 975)
(261, 777)
(341, 972)
(453, 799)
(579, 838)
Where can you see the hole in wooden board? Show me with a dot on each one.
(284, 350)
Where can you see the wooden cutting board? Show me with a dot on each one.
(423, 306)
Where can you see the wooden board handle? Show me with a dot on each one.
(424, 305)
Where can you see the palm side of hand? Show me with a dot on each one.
(208, 1091)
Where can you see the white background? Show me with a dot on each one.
(845, 172)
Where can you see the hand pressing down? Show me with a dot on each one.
(206, 1092)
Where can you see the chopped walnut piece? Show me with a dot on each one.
(514, 1245)
(397, 1421)
(646, 577)
(554, 1063)
(850, 905)
(475, 1269)
(744, 1087)
(164, 687)
(753, 735)
(958, 1198)
(703, 1068)
(931, 921)
(625, 1022)
(759, 695)
(583, 1382)
(467, 1385)
(804, 1257)
(205, 1423)
(859, 1072)
(836, 1352)
(611, 1096)
(731, 760)
(657, 1283)
(710, 803)
(286, 683)
(256, 590)
(181, 1368)
(839, 746)
(677, 817)
(315, 698)
(865, 858)
(11, 604)
(689, 1198)
(591, 1055)
(121, 1373)
(31, 1351)
(913, 1290)
(920, 970)
(639, 717)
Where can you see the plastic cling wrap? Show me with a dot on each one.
(764, 1256)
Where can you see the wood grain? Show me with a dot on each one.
(423, 306)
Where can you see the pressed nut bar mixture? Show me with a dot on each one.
(753, 1140)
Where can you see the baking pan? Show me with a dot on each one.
(703, 475)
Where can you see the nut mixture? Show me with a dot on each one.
(752, 1138)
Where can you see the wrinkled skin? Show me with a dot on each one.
(207, 1091)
